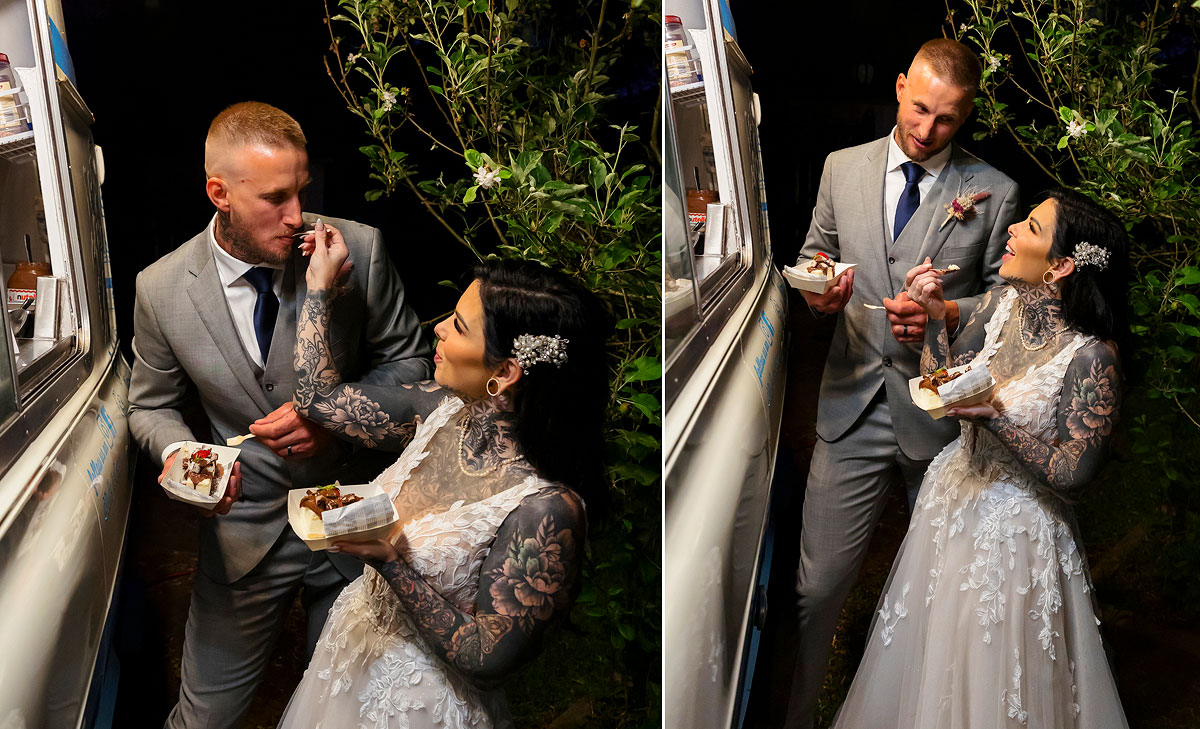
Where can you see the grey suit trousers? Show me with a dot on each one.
(231, 630)
(848, 483)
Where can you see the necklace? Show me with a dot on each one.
(462, 464)
(1021, 333)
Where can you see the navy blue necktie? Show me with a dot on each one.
(910, 199)
(266, 306)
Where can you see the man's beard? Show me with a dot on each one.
(242, 245)
(905, 143)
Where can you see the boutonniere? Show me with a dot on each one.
(963, 206)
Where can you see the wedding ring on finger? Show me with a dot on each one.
(906, 330)
(289, 449)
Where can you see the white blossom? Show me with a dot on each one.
(993, 62)
(353, 57)
(1076, 130)
(486, 178)
(389, 100)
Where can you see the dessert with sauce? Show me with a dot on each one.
(202, 471)
(320, 500)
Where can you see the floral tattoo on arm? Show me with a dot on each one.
(1088, 413)
(355, 412)
(527, 581)
(936, 353)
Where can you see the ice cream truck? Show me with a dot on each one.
(725, 310)
(64, 445)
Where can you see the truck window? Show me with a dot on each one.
(37, 257)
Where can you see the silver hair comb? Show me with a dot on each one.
(531, 349)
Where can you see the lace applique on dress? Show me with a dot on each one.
(1006, 634)
(371, 663)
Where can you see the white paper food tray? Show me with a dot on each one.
(298, 522)
(173, 482)
(940, 412)
(815, 286)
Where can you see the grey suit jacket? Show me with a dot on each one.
(848, 224)
(185, 345)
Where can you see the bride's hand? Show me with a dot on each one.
(982, 411)
(376, 553)
(329, 259)
(925, 289)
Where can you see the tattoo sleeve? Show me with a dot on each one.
(1087, 414)
(936, 352)
(363, 414)
(527, 581)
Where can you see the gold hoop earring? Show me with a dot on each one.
(1049, 272)
(488, 387)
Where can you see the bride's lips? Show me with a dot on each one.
(437, 358)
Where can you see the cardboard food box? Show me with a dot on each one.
(179, 490)
(305, 523)
(939, 411)
(796, 277)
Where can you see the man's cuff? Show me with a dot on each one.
(171, 449)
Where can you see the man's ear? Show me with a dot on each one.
(218, 193)
(900, 82)
(508, 374)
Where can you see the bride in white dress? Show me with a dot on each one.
(987, 619)
(487, 555)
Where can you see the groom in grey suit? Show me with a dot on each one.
(216, 319)
(883, 206)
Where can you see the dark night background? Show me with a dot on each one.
(825, 74)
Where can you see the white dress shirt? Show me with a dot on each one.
(893, 179)
(240, 296)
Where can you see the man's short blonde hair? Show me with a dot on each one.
(247, 123)
(951, 61)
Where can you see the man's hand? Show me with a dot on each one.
(289, 435)
(907, 319)
(834, 300)
(233, 490)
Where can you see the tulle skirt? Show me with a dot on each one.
(987, 619)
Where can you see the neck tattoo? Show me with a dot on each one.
(462, 461)
(1039, 316)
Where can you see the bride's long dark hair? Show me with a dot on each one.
(1093, 299)
(559, 411)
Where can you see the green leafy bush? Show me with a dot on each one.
(509, 97)
(1087, 92)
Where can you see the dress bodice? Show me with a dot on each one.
(444, 537)
(372, 667)
(1030, 400)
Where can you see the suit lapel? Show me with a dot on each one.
(874, 167)
(948, 186)
(209, 299)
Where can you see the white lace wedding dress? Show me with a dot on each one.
(371, 667)
(987, 619)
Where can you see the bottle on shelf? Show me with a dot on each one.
(14, 113)
(682, 67)
(22, 284)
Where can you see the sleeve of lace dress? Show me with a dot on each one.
(1088, 409)
(528, 580)
(370, 415)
